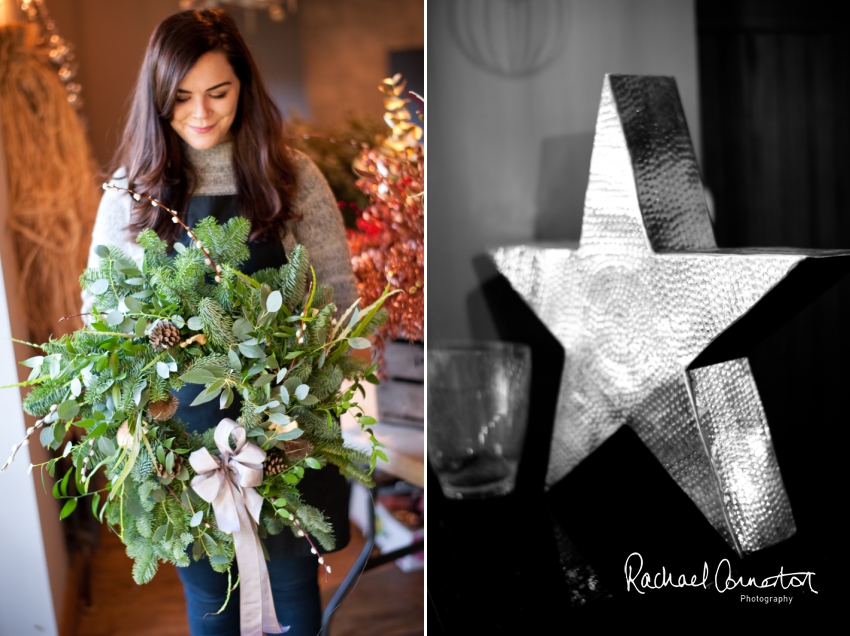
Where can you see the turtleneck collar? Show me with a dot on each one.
(214, 169)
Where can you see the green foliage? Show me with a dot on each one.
(218, 326)
(43, 396)
(325, 382)
(313, 521)
(381, 317)
(293, 277)
(268, 341)
(227, 243)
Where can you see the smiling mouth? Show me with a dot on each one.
(201, 131)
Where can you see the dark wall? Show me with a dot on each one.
(774, 84)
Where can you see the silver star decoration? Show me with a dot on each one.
(656, 321)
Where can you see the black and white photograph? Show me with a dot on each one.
(636, 358)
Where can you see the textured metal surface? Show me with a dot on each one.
(643, 295)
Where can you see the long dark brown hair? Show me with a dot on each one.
(150, 149)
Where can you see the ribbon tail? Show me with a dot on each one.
(256, 605)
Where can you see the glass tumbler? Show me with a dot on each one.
(477, 415)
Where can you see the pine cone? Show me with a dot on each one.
(164, 335)
(275, 462)
(175, 469)
(164, 410)
(297, 449)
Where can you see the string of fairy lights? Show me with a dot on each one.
(175, 218)
(60, 52)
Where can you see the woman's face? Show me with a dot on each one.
(206, 103)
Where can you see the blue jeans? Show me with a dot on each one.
(295, 589)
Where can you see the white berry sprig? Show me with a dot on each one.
(175, 218)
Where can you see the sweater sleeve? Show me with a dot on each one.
(322, 232)
(113, 216)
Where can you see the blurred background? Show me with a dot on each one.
(515, 89)
(322, 62)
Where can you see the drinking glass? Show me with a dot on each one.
(477, 415)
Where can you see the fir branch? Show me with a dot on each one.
(293, 277)
(217, 324)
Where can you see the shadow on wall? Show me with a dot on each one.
(494, 302)
(561, 185)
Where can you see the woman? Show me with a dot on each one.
(203, 137)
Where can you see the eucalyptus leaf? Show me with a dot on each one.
(196, 519)
(263, 380)
(127, 326)
(233, 358)
(114, 318)
(251, 351)
(102, 251)
(291, 434)
(208, 394)
(257, 367)
(301, 391)
(226, 398)
(58, 435)
(242, 329)
(133, 304)
(159, 534)
(106, 446)
(195, 323)
(99, 286)
(274, 302)
(279, 418)
(98, 430)
(178, 321)
(359, 343)
(162, 370)
(198, 376)
(76, 387)
(137, 392)
(68, 409)
(179, 247)
(310, 400)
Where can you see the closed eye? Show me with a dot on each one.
(182, 100)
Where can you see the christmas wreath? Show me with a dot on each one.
(271, 339)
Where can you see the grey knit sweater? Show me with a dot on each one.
(321, 229)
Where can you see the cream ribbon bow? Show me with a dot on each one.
(228, 483)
